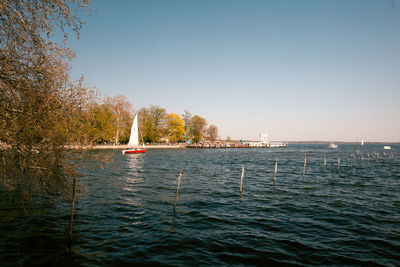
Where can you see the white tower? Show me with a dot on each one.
(264, 138)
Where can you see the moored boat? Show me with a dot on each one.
(332, 145)
(134, 150)
(134, 139)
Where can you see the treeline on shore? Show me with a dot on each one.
(111, 120)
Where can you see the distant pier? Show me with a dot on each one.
(236, 145)
(214, 145)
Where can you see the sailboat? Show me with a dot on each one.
(362, 142)
(134, 139)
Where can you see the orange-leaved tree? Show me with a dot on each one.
(175, 127)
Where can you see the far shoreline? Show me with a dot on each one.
(183, 146)
(176, 146)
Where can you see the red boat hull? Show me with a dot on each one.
(134, 151)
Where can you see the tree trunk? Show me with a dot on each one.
(117, 137)
(117, 134)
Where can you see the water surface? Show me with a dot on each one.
(347, 216)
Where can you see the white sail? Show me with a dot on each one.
(134, 138)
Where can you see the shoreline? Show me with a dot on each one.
(125, 146)
(183, 146)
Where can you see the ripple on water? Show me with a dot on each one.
(349, 217)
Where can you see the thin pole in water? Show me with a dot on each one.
(324, 162)
(338, 164)
(72, 213)
(241, 180)
(305, 164)
(276, 169)
(351, 160)
(177, 188)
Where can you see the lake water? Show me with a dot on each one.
(351, 216)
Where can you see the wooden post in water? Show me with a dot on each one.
(383, 157)
(338, 164)
(324, 162)
(368, 157)
(351, 160)
(241, 180)
(177, 188)
(305, 164)
(276, 169)
(377, 157)
(72, 213)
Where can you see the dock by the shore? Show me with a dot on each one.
(235, 145)
(214, 145)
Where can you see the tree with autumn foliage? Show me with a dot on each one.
(156, 126)
(197, 128)
(175, 127)
(123, 114)
(42, 112)
(152, 123)
(212, 133)
(102, 127)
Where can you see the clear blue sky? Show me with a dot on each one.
(297, 69)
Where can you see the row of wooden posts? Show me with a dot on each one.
(375, 155)
(359, 157)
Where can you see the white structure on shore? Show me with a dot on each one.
(265, 143)
(264, 138)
